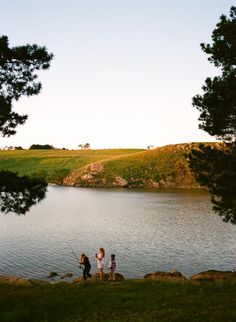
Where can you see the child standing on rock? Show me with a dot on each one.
(112, 267)
(84, 261)
(99, 257)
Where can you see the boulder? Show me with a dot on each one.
(62, 282)
(212, 275)
(15, 280)
(152, 184)
(4, 279)
(96, 167)
(119, 182)
(35, 281)
(78, 280)
(165, 276)
(87, 177)
(71, 179)
(20, 281)
(52, 274)
(96, 277)
(66, 275)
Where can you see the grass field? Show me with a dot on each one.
(120, 301)
(165, 166)
(54, 165)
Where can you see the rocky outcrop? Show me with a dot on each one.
(86, 176)
(16, 280)
(212, 275)
(206, 276)
(71, 179)
(95, 175)
(152, 184)
(95, 167)
(119, 182)
(52, 274)
(66, 275)
(142, 183)
(78, 280)
(96, 278)
(35, 281)
(165, 276)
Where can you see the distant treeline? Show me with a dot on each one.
(41, 147)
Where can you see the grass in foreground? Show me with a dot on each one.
(122, 301)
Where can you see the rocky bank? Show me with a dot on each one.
(67, 278)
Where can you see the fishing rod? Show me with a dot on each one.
(75, 256)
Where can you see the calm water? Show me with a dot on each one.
(148, 231)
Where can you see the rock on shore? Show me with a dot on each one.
(16, 280)
(165, 276)
(212, 275)
(96, 278)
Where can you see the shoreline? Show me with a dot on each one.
(69, 278)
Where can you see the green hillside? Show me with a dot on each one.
(161, 167)
(54, 165)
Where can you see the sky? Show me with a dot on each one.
(124, 71)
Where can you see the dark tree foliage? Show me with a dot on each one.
(41, 147)
(215, 168)
(218, 103)
(18, 67)
(222, 51)
(18, 194)
(8, 119)
(218, 107)
(17, 78)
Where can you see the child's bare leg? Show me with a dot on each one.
(113, 276)
(101, 274)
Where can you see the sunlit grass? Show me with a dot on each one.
(52, 164)
(168, 164)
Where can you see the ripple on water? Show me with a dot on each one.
(148, 231)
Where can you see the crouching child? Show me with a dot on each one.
(84, 262)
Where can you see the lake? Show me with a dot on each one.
(147, 230)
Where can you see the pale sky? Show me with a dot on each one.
(124, 71)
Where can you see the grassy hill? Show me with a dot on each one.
(55, 165)
(161, 167)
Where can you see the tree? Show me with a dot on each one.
(41, 147)
(81, 146)
(18, 194)
(18, 66)
(215, 167)
(87, 146)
